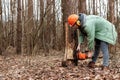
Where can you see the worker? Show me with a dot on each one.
(99, 32)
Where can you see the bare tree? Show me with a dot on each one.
(25, 22)
(0, 27)
(54, 27)
(94, 8)
(111, 11)
(111, 17)
(82, 6)
(68, 7)
(82, 9)
(30, 27)
(114, 50)
(41, 10)
(19, 28)
(41, 19)
(12, 42)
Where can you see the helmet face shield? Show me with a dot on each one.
(72, 25)
(75, 26)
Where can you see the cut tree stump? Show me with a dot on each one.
(69, 46)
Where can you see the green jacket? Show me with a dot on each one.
(99, 28)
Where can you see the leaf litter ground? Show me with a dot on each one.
(21, 67)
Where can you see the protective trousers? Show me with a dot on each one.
(103, 46)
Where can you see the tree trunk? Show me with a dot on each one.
(41, 10)
(1, 28)
(41, 21)
(25, 26)
(12, 25)
(19, 28)
(89, 7)
(30, 27)
(82, 6)
(113, 49)
(53, 37)
(68, 7)
(82, 9)
(94, 8)
(111, 15)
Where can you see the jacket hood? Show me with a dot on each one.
(82, 18)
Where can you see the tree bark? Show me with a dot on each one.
(30, 27)
(41, 21)
(19, 28)
(54, 27)
(1, 27)
(111, 11)
(68, 7)
(82, 6)
(12, 25)
(94, 8)
(82, 9)
(111, 18)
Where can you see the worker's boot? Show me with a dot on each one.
(91, 64)
(105, 68)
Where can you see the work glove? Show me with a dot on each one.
(78, 47)
(89, 54)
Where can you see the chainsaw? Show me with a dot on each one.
(78, 55)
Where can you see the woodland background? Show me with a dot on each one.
(37, 27)
(34, 25)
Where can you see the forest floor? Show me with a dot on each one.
(23, 67)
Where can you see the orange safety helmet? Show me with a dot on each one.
(72, 19)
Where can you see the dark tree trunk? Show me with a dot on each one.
(68, 7)
(1, 27)
(82, 6)
(111, 11)
(30, 27)
(54, 27)
(19, 28)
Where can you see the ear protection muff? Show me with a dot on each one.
(78, 22)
